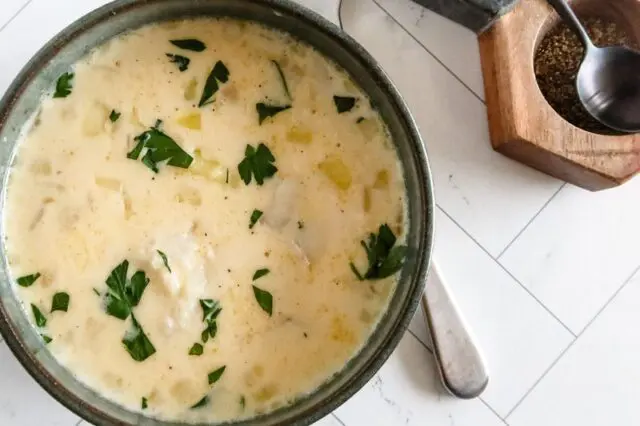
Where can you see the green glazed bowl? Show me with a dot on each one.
(23, 97)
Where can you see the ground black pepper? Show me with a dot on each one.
(556, 65)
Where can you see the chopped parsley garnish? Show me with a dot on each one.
(255, 216)
(122, 294)
(215, 375)
(46, 339)
(210, 311)
(300, 224)
(359, 120)
(384, 259)
(260, 273)
(243, 401)
(192, 44)
(266, 111)
(164, 260)
(60, 302)
(160, 147)
(182, 62)
(137, 343)
(40, 319)
(28, 280)
(344, 103)
(64, 85)
(114, 115)
(257, 162)
(264, 299)
(219, 74)
(144, 404)
(204, 401)
(282, 79)
(196, 349)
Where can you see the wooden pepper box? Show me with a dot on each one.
(523, 126)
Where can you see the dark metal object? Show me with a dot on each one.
(477, 15)
(23, 98)
(608, 81)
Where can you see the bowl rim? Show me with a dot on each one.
(420, 267)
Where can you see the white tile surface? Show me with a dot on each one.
(595, 383)
(406, 391)
(454, 45)
(519, 338)
(22, 401)
(491, 196)
(579, 250)
(8, 9)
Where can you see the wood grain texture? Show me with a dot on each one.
(523, 125)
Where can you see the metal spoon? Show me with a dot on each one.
(460, 364)
(608, 81)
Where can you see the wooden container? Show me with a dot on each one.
(523, 126)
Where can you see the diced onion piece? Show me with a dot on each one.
(189, 196)
(382, 179)
(190, 90)
(367, 199)
(191, 121)
(369, 128)
(300, 135)
(95, 119)
(210, 169)
(108, 183)
(338, 172)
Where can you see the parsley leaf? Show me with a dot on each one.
(344, 103)
(60, 302)
(123, 295)
(137, 343)
(196, 349)
(215, 375)
(40, 319)
(260, 273)
(264, 299)
(210, 311)
(204, 401)
(266, 111)
(219, 73)
(384, 259)
(144, 404)
(258, 162)
(164, 260)
(64, 85)
(28, 280)
(243, 402)
(160, 147)
(114, 115)
(255, 216)
(46, 339)
(181, 61)
(282, 79)
(189, 44)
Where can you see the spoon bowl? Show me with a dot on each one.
(608, 84)
(608, 81)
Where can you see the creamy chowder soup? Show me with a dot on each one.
(205, 220)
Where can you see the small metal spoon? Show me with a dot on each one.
(460, 364)
(608, 81)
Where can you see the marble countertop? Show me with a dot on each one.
(545, 273)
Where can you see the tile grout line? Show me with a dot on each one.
(393, 18)
(508, 272)
(586, 327)
(15, 15)
(530, 221)
(486, 404)
(337, 418)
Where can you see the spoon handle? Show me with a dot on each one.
(570, 18)
(459, 361)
